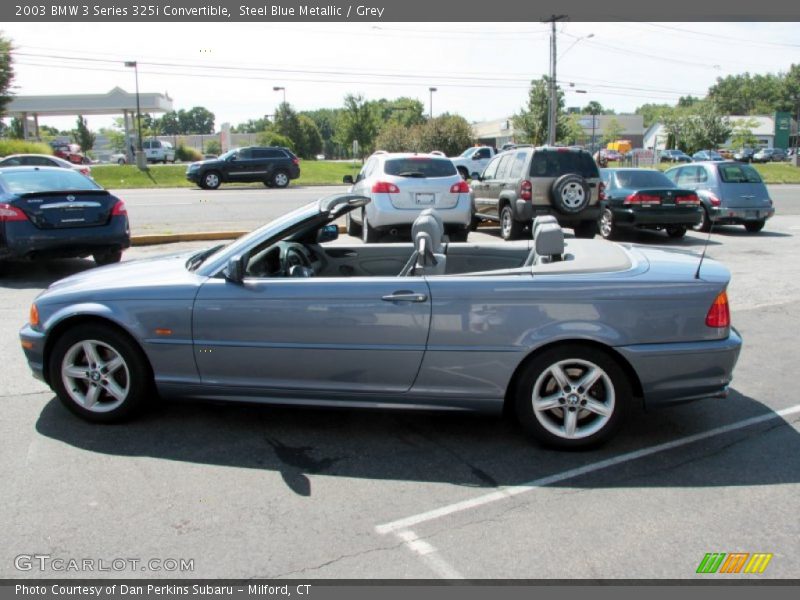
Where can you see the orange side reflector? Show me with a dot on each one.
(163, 331)
(27, 345)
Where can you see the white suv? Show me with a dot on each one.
(158, 151)
(401, 185)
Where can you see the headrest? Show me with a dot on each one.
(541, 220)
(549, 240)
(430, 223)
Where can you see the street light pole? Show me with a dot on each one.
(431, 90)
(139, 161)
(278, 88)
(553, 108)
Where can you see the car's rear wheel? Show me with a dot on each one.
(459, 235)
(705, 222)
(608, 229)
(510, 228)
(280, 179)
(474, 223)
(353, 228)
(210, 180)
(676, 231)
(100, 374)
(572, 396)
(369, 234)
(107, 257)
(585, 229)
(754, 226)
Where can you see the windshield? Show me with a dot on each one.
(46, 180)
(467, 152)
(739, 174)
(642, 179)
(228, 154)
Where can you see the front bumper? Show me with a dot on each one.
(33, 346)
(739, 216)
(674, 373)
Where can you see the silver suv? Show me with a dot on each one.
(401, 185)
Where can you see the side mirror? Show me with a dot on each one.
(476, 176)
(234, 272)
(475, 157)
(347, 179)
(327, 233)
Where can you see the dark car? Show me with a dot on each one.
(272, 165)
(769, 155)
(732, 193)
(520, 184)
(52, 212)
(646, 199)
(744, 155)
(708, 155)
(674, 156)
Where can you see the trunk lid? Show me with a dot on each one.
(67, 209)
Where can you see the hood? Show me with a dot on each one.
(164, 277)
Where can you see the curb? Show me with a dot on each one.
(201, 236)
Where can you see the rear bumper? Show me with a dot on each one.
(738, 216)
(526, 212)
(24, 240)
(644, 217)
(383, 216)
(675, 373)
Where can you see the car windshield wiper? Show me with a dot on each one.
(416, 174)
(195, 261)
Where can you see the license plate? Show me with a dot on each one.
(751, 214)
(425, 198)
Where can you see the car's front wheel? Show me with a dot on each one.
(210, 180)
(510, 228)
(100, 374)
(676, 231)
(572, 396)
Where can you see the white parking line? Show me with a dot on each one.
(428, 554)
(504, 492)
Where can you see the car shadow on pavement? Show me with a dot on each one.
(464, 450)
(38, 274)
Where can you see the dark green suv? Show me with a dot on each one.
(525, 182)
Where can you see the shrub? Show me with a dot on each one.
(270, 138)
(184, 153)
(23, 147)
(213, 147)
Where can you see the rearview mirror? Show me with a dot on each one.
(347, 179)
(234, 272)
(327, 233)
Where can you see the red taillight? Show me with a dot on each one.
(384, 187)
(601, 191)
(10, 213)
(462, 187)
(646, 199)
(296, 161)
(119, 209)
(719, 315)
(713, 200)
(85, 171)
(689, 199)
(525, 190)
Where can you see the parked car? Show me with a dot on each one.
(157, 151)
(674, 156)
(731, 193)
(707, 155)
(744, 155)
(401, 185)
(54, 212)
(646, 199)
(473, 160)
(725, 153)
(520, 184)
(119, 157)
(43, 160)
(766, 155)
(613, 155)
(70, 152)
(282, 316)
(273, 165)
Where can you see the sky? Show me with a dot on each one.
(482, 71)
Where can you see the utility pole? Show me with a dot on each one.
(552, 114)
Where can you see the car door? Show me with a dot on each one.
(242, 166)
(485, 201)
(318, 334)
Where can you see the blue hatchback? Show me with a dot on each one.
(59, 213)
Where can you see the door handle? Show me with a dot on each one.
(404, 296)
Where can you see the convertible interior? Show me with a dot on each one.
(431, 254)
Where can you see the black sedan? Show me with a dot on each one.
(58, 213)
(646, 199)
(674, 156)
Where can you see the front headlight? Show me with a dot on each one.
(193, 167)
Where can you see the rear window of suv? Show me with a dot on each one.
(739, 174)
(419, 167)
(554, 163)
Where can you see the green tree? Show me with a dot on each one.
(15, 129)
(447, 133)
(170, 123)
(272, 138)
(116, 138)
(198, 119)
(706, 128)
(6, 73)
(252, 125)
(213, 147)
(742, 133)
(82, 135)
(287, 123)
(652, 113)
(357, 122)
(396, 137)
(310, 137)
(406, 111)
(612, 131)
(572, 131)
(530, 124)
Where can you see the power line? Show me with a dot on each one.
(722, 37)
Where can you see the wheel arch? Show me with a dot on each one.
(627, 368)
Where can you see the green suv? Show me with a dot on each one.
(525, 182)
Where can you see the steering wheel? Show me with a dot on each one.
(294, 256)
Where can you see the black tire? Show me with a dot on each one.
(510, 228)
(121, 161)
(280, 179)
(369, 235)
(585, 230)
(133, 377)
(607, 227)
(570, 194)
(459, 235)
(705, 222)
(676, 232)
(107, 257)
(210, 180)
(268, 183)
(611, 392)
(463, 172)
(474, 223)
(755, 226)
(353, 228)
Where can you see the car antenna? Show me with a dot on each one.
(703, 255)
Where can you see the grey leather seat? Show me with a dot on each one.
(548, 243)
(428, 258)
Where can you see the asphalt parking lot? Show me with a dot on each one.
(260, 492)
